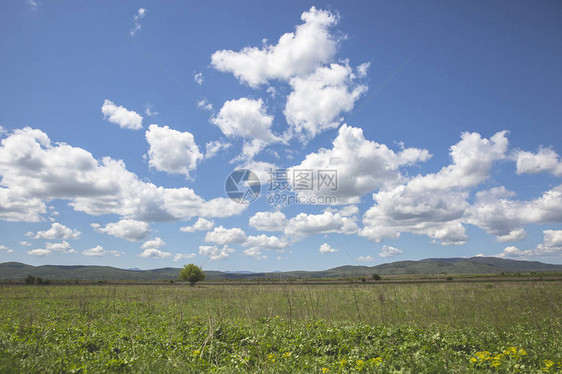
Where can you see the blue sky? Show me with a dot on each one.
(121, 122)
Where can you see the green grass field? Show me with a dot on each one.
(408, 328)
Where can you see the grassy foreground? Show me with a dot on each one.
(409, 328)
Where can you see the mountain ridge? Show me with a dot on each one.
(10, 271)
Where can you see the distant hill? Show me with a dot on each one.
(474, 265)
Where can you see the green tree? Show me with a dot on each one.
(376, 277)
(192, 273)
(30, 279)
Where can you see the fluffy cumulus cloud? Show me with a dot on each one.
(221, 236)
(126, 119)
(360, 166)
(389, 251)
(255, 244)
(325, 248)
(201, 224)
(269, 221)
(57, 231)
(318, 100)
(184, 256)
(98, 251)
(304, 225)
(154, 253)
(295, 54)
(128, 229)
(498, 213)
(215, 253)
(153, 243)
(172, 151)
(365, 259)
(247, 119)
(34, 172)
(545, 160)
(435, 204)
(40, 252)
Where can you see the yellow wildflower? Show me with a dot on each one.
(325, 370)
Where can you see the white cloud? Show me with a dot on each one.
(4, 248)
(248, 119)
(26, 244)
(435, 204)
(361, 165)
(545, 160)
(184, 256)
(128, 229)
(204, 104)
(213, 147)
(365, 259)
(551, 246)
(388, 251)
(148, 110)
(269, 221)
(325, 248)
(346, 211)
(35, 172)
(318, 100)
(126, 119)
(154, 253)
(198, 77)
(98, 251)
(265, 242)
(297, 53)
(499, 214)
(363, 68)
(136, 19)
(154, 243)
(172, 151)
(39, 252)
(33, 4)
(201, 224)
(304, 225)
(57, 231)
(215, 253)
(63, 247)
(221, 235)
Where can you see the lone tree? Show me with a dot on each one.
(376, 277)
(192, 273)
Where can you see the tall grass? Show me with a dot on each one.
(89, 326)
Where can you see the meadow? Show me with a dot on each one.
(447, 327)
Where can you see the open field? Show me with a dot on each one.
(499, 327)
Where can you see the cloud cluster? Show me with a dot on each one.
(361, 165)
(35, 172)
(435, 204)
(551, 246)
